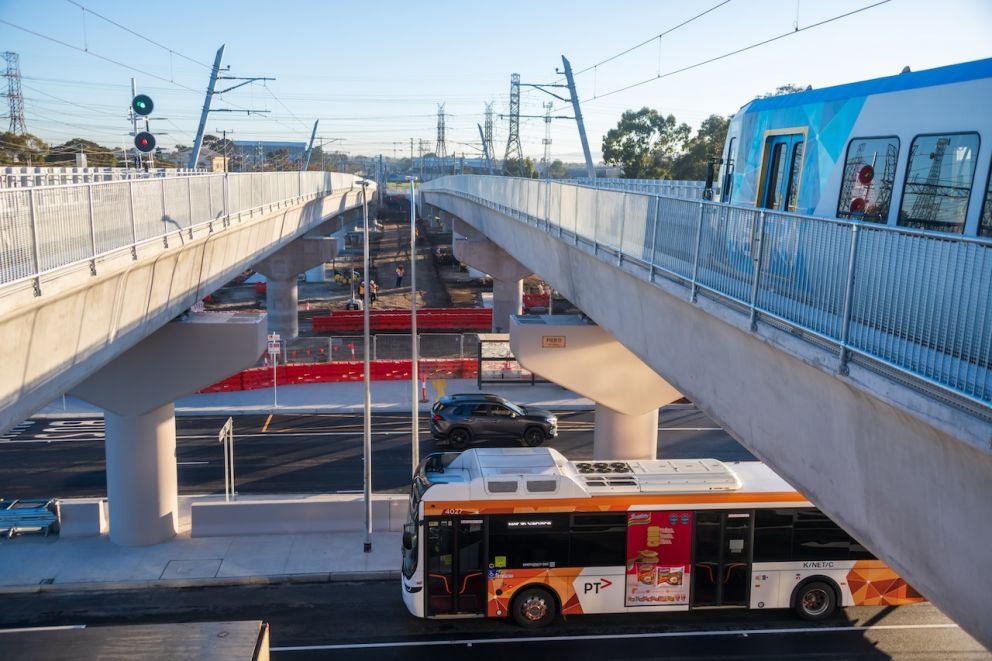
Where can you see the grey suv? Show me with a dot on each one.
(459, 419)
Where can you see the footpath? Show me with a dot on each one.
(35, 563)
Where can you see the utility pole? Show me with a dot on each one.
(547, 139)
(411, 150)
(488, 137)
(440, 148)
(14, 95)
(224, 133)
(211, 85)
(485, 150)
(590, 168)
(313, 134)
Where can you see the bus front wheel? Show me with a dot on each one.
(815, 601)
(534, 608)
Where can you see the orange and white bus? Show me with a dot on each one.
(528, 534)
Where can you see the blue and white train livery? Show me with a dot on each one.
(911, 150)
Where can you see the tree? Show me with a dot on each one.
(706, 145)
(65, 154)
(645, 143)
(514, 167)
(788, 88)
(21, 149)
(557, 169)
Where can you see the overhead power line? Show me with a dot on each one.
(737, 51)
(138, 34)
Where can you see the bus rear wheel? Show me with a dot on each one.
(815, 601)
(534, 608)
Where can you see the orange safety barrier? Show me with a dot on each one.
(399, 320)
(536, 300)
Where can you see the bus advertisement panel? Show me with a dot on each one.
(659, 558)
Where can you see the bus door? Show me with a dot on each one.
(721, 570)
(783, 162)
(456, 573)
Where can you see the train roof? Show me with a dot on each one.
(954, 73)
(544, 473)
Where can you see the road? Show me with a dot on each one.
(291, 453)
(368, 620)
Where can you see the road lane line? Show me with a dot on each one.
(265, 427)
(33, 629)
(627, 636)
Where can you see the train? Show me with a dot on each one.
(903, 151)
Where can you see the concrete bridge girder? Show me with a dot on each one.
(281, 269)
(584, 358)
(908, 475)
(469, 246)
(82, 321)
(137, 390)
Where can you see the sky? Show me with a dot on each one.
(374, 73)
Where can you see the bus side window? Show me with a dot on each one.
(773, 535)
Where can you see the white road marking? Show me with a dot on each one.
(625, 636)
(191, 463)
(33, 629)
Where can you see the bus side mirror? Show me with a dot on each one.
(407, 540)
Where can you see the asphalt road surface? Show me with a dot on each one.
(367, 620)
(292, 453)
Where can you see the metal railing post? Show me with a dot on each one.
(756, 249)
(189, 194)
(654, 237)
(134, 222)
(623, 226)
(89, 200)
(34, 243)
(165, 216)
(845, 324)
(694, 288)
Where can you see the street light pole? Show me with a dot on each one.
(367, 436)
(414, 353)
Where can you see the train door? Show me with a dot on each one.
(783, 163)
(456, 574)
(721, 570)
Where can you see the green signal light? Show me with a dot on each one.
(142, 105)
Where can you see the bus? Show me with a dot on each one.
(527, 534)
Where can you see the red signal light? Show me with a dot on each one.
(144, 141)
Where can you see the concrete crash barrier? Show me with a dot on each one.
(83, 517)
(315, 514)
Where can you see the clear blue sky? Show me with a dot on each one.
(373, 73)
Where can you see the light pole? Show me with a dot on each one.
(414, 353)
(367, 435)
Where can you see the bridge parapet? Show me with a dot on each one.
(49, 227)
(901, 302)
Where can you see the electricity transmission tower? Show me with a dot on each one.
(440, 149)
(487, 134)
(514, 151)
(14, 96)
(547, 139)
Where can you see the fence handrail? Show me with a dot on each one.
(865, 298)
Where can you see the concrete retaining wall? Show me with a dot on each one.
(330, 513)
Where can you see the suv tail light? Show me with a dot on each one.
(437, 417)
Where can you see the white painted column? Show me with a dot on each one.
(624, 435)
(142, 485)
(508, 299)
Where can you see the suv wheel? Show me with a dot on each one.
(533, 437)
(458, 438)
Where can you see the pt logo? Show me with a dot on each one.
(596, 586)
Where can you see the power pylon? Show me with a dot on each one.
(14, 96)
(440, 149)
(547, 139)
(487, 134)
(514, 151)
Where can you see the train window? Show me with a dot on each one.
(985, 222)
(792, 192)
(938, 182)
(869, 173)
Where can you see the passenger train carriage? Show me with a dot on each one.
(527, 534)
(911, 150)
